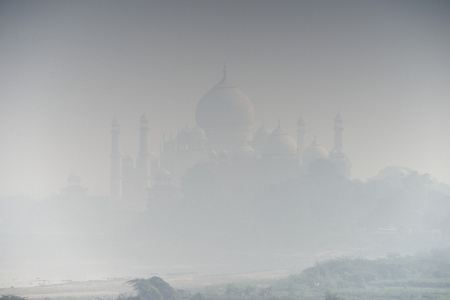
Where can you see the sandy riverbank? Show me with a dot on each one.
(111, 288)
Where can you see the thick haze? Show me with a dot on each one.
(67, 68)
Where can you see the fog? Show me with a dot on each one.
(331, 139)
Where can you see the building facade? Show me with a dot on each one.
(225, 134)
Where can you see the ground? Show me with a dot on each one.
(111, 288)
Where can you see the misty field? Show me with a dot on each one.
(422, 276)
(224, 150)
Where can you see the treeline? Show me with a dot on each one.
(350, 272)
(422, 276)
(228, 206)
(425, 275)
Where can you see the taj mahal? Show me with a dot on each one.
(224, 134)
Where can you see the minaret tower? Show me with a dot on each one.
(224, 71)
(115, 161)
(338, 128)
(300, 139)
(142, 163)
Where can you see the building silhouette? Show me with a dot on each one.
(225, 134)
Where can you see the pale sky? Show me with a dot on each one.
(68, 67)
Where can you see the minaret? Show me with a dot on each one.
(115, 161)
(300, 139)
(338, 128)
(142, 163)
(129, 190)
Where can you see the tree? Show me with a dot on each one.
(12, 297)
(231, 290)
(153, 288)
(329, 296)
(198, 296)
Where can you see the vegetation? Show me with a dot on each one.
(153, 288)
(424, 276)
(12, 297)
(392, 277)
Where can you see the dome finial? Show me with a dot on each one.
(224, 70)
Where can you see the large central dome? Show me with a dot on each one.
(225, 109)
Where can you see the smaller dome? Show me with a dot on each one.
(261, 134)
(198, 134)
(314, 152)
(280, 145)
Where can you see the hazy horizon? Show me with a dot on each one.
(69, 67)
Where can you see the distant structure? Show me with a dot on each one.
(226, 115)
(300, 139)
(73, 189)
(225, 134)
(143, 161)
(130, 182)
(115, 176)
(337, 156)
